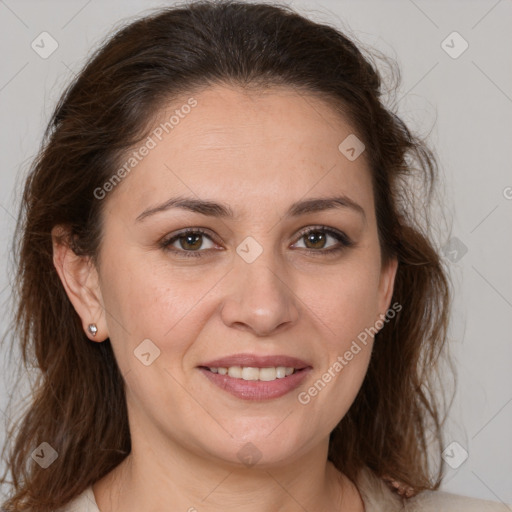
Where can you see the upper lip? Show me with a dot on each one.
(257, 361)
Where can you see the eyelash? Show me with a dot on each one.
(342, 238)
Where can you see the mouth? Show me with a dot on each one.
(251, 377)
(255, 361)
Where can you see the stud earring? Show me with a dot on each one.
(92, 329)
(399, 487)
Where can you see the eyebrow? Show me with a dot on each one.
(214, 209)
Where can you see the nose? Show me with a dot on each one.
(260, 297)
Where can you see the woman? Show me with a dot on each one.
(223, 283)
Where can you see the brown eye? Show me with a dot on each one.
(190, 242)
(316, 239)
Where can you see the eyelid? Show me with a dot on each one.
(336, 233)
(343, 239)
(166, 241)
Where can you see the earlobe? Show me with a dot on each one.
(79, 278)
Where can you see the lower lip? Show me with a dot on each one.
(257, 389)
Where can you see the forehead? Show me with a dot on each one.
(237, 145)
(233, 119)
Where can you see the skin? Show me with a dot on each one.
(258, 152)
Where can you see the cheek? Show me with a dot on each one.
(345, 303)
(329, 396)
(339, 379)
(156, 302)
(345, 300)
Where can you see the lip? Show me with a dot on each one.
(255, 389)
(256, 361)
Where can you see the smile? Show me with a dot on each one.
(250, 383)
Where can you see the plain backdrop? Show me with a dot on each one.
(456, 70)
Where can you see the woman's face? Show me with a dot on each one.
(253, 283)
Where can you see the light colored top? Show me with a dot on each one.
(377, 497)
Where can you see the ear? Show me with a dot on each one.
(81, 283)
(386, 285)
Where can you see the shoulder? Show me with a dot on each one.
(439, 501)
(84, 502)
(377, 496)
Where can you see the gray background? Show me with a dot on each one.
(464, 104)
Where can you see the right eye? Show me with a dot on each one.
(190, 238)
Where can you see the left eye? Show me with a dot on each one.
(318, 237)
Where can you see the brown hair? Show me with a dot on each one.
(77, 403)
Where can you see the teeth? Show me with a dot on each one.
(251, 373)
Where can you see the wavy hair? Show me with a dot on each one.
(77, 400)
